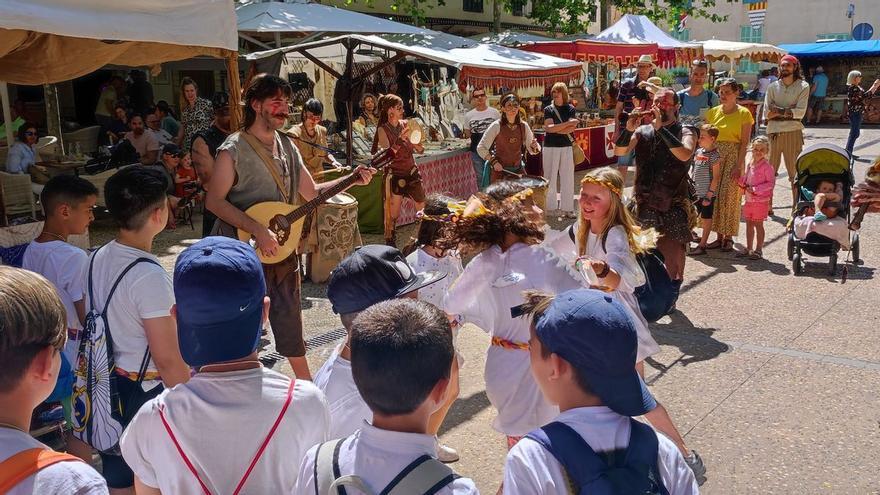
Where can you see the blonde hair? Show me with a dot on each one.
(851, 77)
(562, 88)
(639, 241)
(761, 142)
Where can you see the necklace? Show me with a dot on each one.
(11, 427)
(250, 365)
(53, 234)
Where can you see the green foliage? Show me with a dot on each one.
(417, 9)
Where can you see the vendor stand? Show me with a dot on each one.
(838, 58)
(638, 29)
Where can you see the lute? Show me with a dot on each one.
(286, 220)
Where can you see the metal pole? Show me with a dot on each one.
(7, 112)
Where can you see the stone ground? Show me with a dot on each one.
(772, 378)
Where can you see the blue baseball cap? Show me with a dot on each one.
(596, 335)
(219, 288)
(372, 274)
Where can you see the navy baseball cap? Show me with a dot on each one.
(596, 335)
(372, 274)
(219, 288)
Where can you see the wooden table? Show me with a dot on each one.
(64, 167)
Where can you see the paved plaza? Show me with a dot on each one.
(774, 379)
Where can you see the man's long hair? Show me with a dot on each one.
(262, 86)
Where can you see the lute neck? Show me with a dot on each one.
(321, 198)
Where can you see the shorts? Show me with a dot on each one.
(755, 211)
(626, 160)
(817, 103)
(285, 312)
(409, 186)
(132, 395)
(705, 211)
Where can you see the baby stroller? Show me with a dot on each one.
(816, 163)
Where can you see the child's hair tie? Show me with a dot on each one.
(522, 195)
(589, 179)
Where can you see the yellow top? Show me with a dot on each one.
(314, 158)
(730, 125)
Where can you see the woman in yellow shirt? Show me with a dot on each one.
(734, 123)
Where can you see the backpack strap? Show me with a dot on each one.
(424, 476)
(642, 450)
(578, 459)
(20, 466)
(326, 469)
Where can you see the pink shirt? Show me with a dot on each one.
(759, 181)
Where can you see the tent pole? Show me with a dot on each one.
(7, 112)
(349, 61)
(53, 113)
(234, 90)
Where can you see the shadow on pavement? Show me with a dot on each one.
(696, 344)
(463, 410)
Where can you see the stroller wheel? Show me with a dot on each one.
(796, 265)
(790, 248)
(832, 265)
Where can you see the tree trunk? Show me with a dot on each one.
(604, 14)
(496, 16)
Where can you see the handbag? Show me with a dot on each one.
(577, 152)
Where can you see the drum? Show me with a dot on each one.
(336, 227)
(539, 185)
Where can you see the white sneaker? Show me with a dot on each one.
(446, 454)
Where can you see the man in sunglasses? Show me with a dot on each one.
(477, 120)
(154, 124)
(204, 150)
(695, 99)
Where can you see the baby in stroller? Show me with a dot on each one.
(826, 200)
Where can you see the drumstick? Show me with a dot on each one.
(518, 176)
(336, 169)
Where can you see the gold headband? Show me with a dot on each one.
(605, 183)
(522, 195)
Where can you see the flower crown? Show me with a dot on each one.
(589, 179)
(456, 212)
(522, 195)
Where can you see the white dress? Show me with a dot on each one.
(491, 284)
(421, 262)
(621, 259)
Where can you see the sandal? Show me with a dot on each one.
(698, 251)
(756, 255)
(743, 254)
(727, 246)
(694, 237)
(714, 244)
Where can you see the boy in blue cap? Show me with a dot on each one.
(583, 351)
(235, 426)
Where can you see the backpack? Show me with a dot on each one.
(423, 476)
(20, 466)
(635, 474)
(98, 412)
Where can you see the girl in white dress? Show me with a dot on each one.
(603, 244)
(504, 227)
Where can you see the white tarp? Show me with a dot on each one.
(510, 38)
(304, 17)
(734, 50)
(638, 29)
(203, 23)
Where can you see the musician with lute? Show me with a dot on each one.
(258, 175)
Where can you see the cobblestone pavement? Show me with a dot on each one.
(772, 378)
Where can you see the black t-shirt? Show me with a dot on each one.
(552, 139)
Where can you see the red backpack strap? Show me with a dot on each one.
(257, 456)
(17, 468)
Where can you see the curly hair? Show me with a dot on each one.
(430, 231)
(505, 215)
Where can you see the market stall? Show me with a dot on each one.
(639, 30)
(732, 51)
(838, 58)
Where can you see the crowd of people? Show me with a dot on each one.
(159, 374)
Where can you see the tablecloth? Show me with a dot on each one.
(596, 143)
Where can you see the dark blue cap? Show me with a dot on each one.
(596, 335)
(219, 289)
(372, 274)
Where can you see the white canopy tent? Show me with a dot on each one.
(47, 41)
(732, 51)
(638, 29)
(510, 38)
(307, 17)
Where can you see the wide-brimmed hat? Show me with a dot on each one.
(646, 59)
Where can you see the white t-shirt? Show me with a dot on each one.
(220, 419)
(480, 120)
(421, 262)
(348, 411)
(378, 456)
(530, 468)
(62, 478)
(491, 284)
(62, 264)
(145, 292)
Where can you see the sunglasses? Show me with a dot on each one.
(30, 133)
(480, 96)
(700, 63)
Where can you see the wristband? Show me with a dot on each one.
(604, 272)
(669, 139)
(624, 138)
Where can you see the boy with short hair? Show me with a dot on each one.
(706, 174)
(401, 359)
(218, 420)
(139, 313)
(33, 330)
(68, 203)
(583, 351)
(371, 274)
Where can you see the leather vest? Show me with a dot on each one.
(660, 176)
(404, 162)
(509, 145)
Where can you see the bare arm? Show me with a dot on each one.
(202, 161)
(80, 307)
(688, 145)
(563, 128)
(716, 178)
(617, 111)
(745, 133)
(150, 157)
(162, 337)
(141, 489)
(309, 190)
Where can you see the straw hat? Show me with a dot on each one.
(646, 59)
